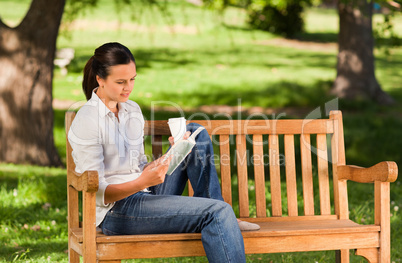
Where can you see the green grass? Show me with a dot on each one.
(196, 58)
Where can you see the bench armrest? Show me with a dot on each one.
(87, 181)
(382, 172)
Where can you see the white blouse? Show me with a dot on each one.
(113, 147)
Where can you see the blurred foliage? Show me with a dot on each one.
(384, 30)
(278, 17)
(282, 17)
(285, 17)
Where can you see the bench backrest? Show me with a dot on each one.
(288, 147)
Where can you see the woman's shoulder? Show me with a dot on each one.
(85, 128)
(132, 106)
(89, 109)
(88, 114)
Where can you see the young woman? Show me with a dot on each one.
(136, 197)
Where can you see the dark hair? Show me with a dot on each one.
(105, 56)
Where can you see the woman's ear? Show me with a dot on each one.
(101, 82)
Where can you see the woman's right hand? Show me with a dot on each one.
(155, 173)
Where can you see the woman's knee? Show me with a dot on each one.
(193, 126)
(203, 137)
(223, 209)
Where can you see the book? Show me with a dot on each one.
(180, 150)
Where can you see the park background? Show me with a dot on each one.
(210, 62)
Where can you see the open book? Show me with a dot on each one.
(180, 150)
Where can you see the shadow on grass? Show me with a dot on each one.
(239, 57)
(144, 59)
(280, 94)
(323, 37)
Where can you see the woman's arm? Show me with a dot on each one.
(153, 174)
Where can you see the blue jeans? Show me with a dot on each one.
(164, 210)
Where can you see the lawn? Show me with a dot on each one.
(192, 59)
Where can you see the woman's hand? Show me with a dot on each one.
(155, 172)
(185, 137)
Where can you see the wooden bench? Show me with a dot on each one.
(318, 221)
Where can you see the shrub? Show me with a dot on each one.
(283, 19)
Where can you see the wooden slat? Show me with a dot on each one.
(319, 242)
(275, 175)
(233, 127)
(190, 189)
(241, 156)
(155, 249)
(259, 176)
(291, 186)
(307, 174)
(72, 194)
(290, 218)
(382, 217)
(226, 178)
(322, 163)
(338, 158)
(270, 226)
(157, 146)
(69, 117)
(278, 244)
(89, 227)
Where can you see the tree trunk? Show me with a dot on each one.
(355, 68)
(26, 72)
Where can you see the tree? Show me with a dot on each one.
(26, 61)
(26, 71)
(355, 66)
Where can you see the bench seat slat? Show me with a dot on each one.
(253, 245)
(278, 228)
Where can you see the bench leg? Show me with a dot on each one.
(342, 256)
(73, 257)
(371, 254)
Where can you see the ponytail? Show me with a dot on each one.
(105, 56)
(89, 82)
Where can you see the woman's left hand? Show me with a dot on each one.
(185, 137)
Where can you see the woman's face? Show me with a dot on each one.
(118, 85)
